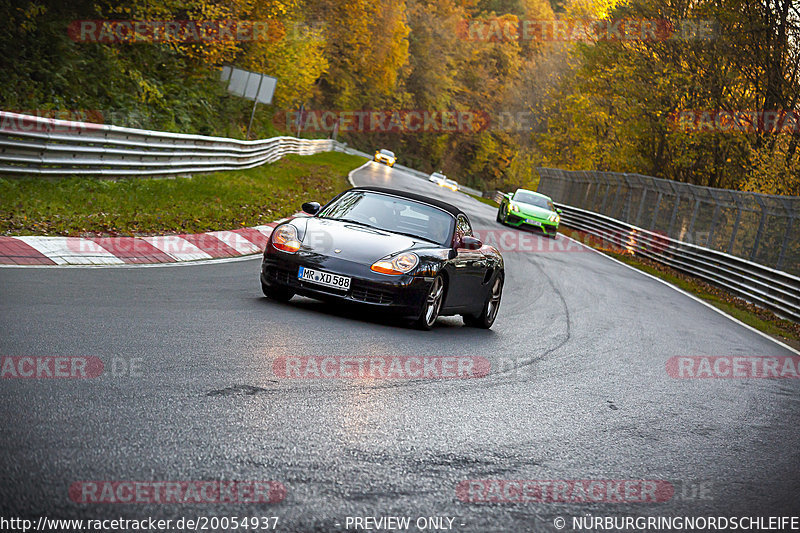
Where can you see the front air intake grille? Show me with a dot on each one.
(371, 295)
(279, 275)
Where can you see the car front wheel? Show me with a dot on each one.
(281, 294)
(502, 217)
(432, 305)
(489, 312)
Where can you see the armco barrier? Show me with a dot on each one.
(45, 146)
(762, 285)
(761, 228)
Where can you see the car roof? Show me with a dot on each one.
(453, 210)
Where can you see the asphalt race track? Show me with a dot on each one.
(578, 391)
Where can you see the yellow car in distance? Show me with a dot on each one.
(386, 157)
(450, 184)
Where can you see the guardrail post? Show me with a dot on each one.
(641, 204)
(596, 182)
(760, 227)
(617, 196)
(694, 217)
(655, 212)
(713, 224)
(789, 225)
(674, 208)
(735, 224)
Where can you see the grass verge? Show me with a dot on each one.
(80, 206)
(761, 319)
(487, 201)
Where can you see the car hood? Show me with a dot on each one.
(355, 243)
(534, 211)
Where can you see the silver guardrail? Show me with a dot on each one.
(46, 146)
(759, 284)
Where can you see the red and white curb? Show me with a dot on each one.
(134, 250)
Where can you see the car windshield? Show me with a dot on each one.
(387, 152)
(534, 199)
(392, 213)
(437, 175)
(451, 182)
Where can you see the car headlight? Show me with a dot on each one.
(284, 238)
(400, 264)
(554, 218)
(514, 207)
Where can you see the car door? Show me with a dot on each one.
(468, 266)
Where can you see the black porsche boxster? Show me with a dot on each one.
(397, 251)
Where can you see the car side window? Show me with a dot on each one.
(463, 228)
(464, 223)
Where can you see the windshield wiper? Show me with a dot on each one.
(351, 221)
(414, 236)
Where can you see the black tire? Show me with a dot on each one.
(432, 305)
(502, 216)
(490, 307)
(280, 294)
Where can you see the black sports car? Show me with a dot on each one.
(393, 250)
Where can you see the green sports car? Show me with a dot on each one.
(530, 209)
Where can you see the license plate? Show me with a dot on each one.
(324, 278)
(533, 222)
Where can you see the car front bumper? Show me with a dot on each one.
(402, 295)
(520, 220)
(385, 160)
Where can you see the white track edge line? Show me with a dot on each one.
(350, 174)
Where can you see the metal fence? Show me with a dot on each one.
(760, 228)
(44, 146)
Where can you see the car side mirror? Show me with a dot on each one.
(452, 254)
(559, 211)
(471, 243)
(312, 208)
